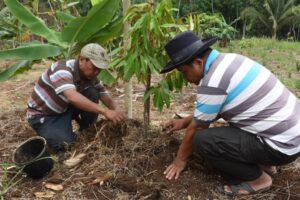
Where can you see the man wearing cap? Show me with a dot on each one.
(263, 115)
(68, 90)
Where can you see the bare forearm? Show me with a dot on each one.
(83, 103)
(186, 147)
(187, 120)
(108, 102)
(112, 106)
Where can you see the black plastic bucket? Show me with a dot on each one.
(34, 156)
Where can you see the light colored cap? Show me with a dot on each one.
(96, 54)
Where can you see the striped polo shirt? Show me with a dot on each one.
(47, 97)
(250, 97)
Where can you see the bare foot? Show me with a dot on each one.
(264, 181)
(271, 170)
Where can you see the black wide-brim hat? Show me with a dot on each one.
(184, 48)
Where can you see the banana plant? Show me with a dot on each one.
(8, 28)
(100, 23)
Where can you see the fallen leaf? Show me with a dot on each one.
(11, 167)
(74, 160)
(103, 178)
(55, 179)
(56, 187)
(47, 194)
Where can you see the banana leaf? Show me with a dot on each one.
(35, 24)
(82, 28)
(15, 69)
(95, 2)
(65, 17)
(31, 52)
(112, 30)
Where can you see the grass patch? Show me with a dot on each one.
(280, 57)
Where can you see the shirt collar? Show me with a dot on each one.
(210, 59)
(76, 72)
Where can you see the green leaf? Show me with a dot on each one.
(106, 77)
(35, 24)
(82, 28)
(143, 67)
(115, 52)
(157, 99)
(146, 41)
(31, 52)
(15, 69)
(95, 2)
(147, 94)
(166, 95)
(178, 80)
(138, 69)
(156, 65)
(64, 17)
(113, 29)
(130, 68)
(150, 64)
(114, 62)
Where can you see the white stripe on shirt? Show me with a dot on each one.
(220, 70)
(276, 118)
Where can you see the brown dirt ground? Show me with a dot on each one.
(130, 164)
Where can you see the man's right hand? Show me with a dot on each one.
(114, 115)
(174, 125)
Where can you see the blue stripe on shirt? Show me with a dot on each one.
(250, 76)
(210, 59)
(208, 109)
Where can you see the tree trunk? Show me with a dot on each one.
(147, 102)
(274, 31)
(244, 29)
(147, 106)
(274, 35)
(126, 42)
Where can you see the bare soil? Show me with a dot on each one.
(128, 164)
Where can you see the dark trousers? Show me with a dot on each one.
(237, 154)
(57, 129)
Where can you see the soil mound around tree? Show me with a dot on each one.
(120, 162)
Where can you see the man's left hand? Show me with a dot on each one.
(175, 168)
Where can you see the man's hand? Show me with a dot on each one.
(115, 116)
(175, 168)
(174, 125)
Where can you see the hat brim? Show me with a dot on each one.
(207, 42)
(99, 64)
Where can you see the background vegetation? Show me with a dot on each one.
(32, 30)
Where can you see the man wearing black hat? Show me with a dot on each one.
(263, 115)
